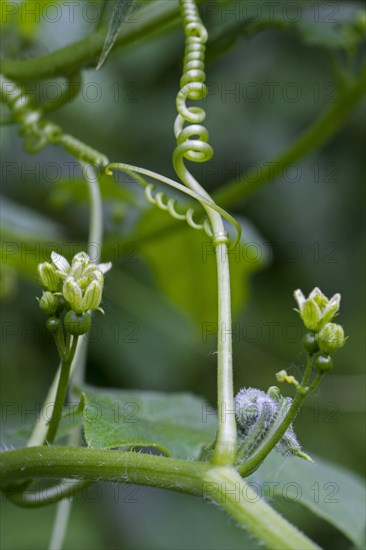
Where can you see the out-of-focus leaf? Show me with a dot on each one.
(178, 424)
(25, 15)
(68, 190)
(18, 437)
(121, 11)
(184, 265)
(27, 238)
(332, 26)
(332, 36)
(331, 492)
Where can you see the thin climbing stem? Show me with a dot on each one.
(61, 392)
(192, 144)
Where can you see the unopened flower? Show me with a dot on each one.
(83, 282)
(49, 277)
(48, 303)
(331, 337)
(317, 309)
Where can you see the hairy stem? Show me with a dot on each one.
(220, 484)
(225, 487)
(91, 464)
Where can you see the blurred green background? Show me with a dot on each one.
(307, 226)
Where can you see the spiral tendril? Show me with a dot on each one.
(193, 140)
(38, 132)
(168, 204)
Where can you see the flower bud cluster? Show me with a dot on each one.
(317, 313)
(75, 289)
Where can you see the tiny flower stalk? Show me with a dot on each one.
(72, 292)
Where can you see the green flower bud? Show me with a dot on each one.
(323, 363)
(310, 343)
(48, 303)
(77, 324)
(93, 295)
(53, 324)
(49, 277)
(311, 314)
(73, 294)
(331, 338)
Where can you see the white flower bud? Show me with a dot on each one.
(49, 277)
(317, 309)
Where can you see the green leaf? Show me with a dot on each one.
(183, 264)
(121, 11)
(26, 238)
(65, 191)
(178, 424)
(331, 492)
(70, 421)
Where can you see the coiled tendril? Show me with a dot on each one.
(38, 132)
(192, 141)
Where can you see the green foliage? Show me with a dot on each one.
(120, 13)
(329, 491)
(183, 261)
(178, 425)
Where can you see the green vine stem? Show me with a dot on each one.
(48, 495)
(73, 88)
(60, 525)
(39, 132)
(192, 144)
(63, 384)
(227, 489)
(219, 484)
(153, 19)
